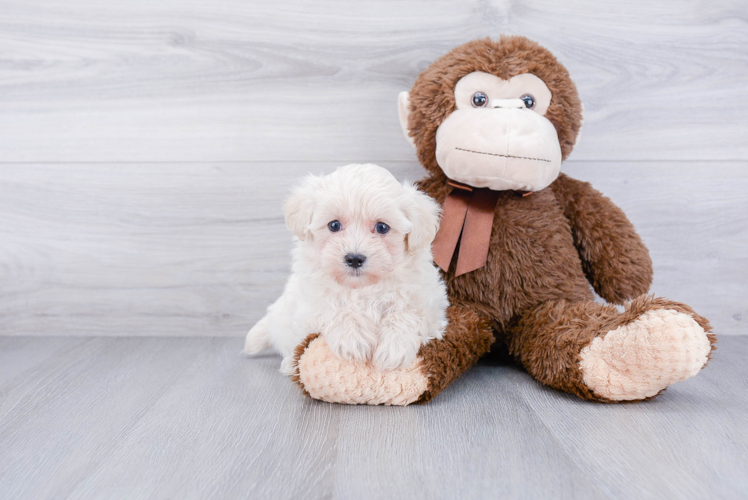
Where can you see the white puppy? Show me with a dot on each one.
(362, 270)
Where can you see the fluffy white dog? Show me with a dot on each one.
(362, 271)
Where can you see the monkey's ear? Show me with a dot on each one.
(423, 214)
(299, 208)
(403, 111)
(581, 124)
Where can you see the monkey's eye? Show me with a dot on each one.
(479, 100)
(529, 101)
(334, 226)
(381, 228)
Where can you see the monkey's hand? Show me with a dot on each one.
(324, 376)
(614, 259)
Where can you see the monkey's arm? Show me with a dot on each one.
(323, 376)
(614, 259)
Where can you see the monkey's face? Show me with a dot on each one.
(498, 137)
(497, 114)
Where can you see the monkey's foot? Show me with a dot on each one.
(322, 375)
(638, 360)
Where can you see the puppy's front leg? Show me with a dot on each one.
(400, 337)
(351, 336)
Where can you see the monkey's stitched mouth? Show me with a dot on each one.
(503, 156)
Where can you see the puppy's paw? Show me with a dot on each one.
(350, 339)
(288, 366)
(397, 348)
(258, 338)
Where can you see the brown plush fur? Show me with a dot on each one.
(545, 248)
(468, 338)
(618, 268)
(540, 257)
(432, 96)
(297, 353)
(548, 339)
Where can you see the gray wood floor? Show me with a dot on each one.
(190, 418)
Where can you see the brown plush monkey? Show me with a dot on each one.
(520, 243)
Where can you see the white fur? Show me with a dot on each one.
(381, 313)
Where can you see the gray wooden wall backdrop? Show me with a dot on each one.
(146, 146)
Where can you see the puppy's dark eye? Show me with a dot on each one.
(334, 226)
(479, 100)
(529, 101)
(381, 228)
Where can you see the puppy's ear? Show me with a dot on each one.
(423, 213)
(299, 208)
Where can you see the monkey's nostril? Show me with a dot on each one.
(355, 260)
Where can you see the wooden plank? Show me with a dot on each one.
(192, 418)
(466, 443)
(201, 249)
(229, 80)
(663, 436)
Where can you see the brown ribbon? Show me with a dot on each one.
(467, 218)
(454, 211)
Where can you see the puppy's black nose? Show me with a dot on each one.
(355, 260)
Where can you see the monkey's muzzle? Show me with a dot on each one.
(500, 149)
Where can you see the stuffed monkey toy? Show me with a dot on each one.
(519, 246)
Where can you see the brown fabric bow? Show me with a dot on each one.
(469, 212)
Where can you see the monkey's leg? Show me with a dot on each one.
(598, 353)
(324, 376)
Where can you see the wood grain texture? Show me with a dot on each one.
(231, 80)
(192, 418)
(202, 249)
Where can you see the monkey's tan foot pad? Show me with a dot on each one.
(640, 359)
(324, 376)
